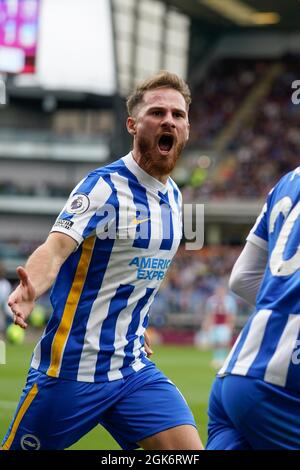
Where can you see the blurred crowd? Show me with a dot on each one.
(264, 148)
(219, 95)
(269, 145)
(193, 277)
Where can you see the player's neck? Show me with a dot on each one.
(146, 167)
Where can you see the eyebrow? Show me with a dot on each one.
(161, 108)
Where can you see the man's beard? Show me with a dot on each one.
(153, 161)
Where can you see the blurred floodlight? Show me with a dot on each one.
(12, 59)
(240, 13)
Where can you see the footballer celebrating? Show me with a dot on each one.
(106, 256)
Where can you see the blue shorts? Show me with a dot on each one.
(246, 413)
(55, 413)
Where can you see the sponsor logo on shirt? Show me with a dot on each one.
(67, 224)
(150, 268)
(78, 204)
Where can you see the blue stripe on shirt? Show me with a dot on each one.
(274, 329)
(107, 337)
(139, 195)
(167, 222)
(132, 329)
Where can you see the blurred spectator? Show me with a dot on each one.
(218, 325)
(5, 290)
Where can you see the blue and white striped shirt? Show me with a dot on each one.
(128, 227)
(268, 347)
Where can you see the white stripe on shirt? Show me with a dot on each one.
(252, 344)
(277, 370)
(120, 341)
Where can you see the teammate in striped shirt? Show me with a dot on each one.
(255, 401)
(108, 253)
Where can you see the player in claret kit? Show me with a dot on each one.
(255, 400)
(107, 254)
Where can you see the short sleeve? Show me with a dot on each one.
(85, 209)
(259, 235)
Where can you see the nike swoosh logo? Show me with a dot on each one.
(139, 221)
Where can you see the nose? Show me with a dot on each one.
(168, 121)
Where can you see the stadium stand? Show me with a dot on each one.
(265, 144)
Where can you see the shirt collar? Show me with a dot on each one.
(143, 177)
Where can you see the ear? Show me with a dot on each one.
(131, 125)
(188, 132)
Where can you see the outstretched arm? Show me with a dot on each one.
(39, 274)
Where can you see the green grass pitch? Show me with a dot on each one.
(187, 367)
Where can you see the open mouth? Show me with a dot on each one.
(165, 143)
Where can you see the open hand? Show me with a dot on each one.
(147, 344)
(22, 299)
